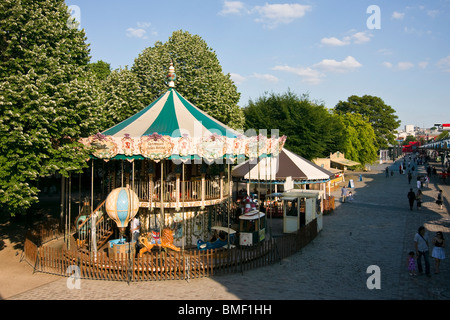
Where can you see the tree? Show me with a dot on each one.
(443, 135)
(120, 97)
(359, 139)
(101, 69)
(47, 100)
(409, 139)
(311, 129)
(200, 78)
(381, 116)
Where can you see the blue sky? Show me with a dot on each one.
(328, 49)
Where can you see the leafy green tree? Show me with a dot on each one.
(443, 135)
(120, 97)
(380, 115)
(47, 98)
(311, 129)
(359, 139)
(409, 139)
(101, 69)
(200, 78)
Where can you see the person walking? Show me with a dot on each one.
(344, 193)
(409, 177)
(421, 246)
(438, 251)
(411, 198)
(439, 201)
(419, 199)
(387, 172)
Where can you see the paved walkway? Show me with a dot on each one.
(377, 228)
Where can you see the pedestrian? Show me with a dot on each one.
(400, 169)
(439, 201)
(421, 246)
(419, 183)
(427, 180)
(387, 172)
(438, 251)
(419, 199)
(409, 177)
(135, 228)
(411, 198)
(411, 264)
(350, 196)
(344, 193)
(434, 171)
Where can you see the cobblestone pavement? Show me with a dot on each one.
(377, 228)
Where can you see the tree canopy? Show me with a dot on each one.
(46, 97)
(359, 139)
(200, 78)
(311, 129)
(380, 115)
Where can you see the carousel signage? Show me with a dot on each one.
(209, 147)
(156, 146)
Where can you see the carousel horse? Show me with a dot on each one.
(153, 239)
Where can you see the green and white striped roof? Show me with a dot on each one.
(170, 115)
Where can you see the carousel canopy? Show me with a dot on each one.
(173, 128)
(287, 164)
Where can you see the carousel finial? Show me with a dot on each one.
(171, 77)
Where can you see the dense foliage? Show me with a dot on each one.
(46, 97)
(311, 129)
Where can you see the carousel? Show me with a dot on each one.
(167, 170)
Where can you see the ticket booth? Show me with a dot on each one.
(300, 207)
(252, 228)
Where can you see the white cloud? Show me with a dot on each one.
(405, 65)
(361, 37)
(444, 64)
(331, 65)
(423, 64)
(357, 38)
(387, 64)
(141, 31)
(335, 42)
(433, 13)
(136, 33)
(237, 78)
(308, 75)
(384, 52)
(144, 25)
(232, 7)
(398, 15)
(271, 15)
(265, 77)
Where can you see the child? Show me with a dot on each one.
(350, 196)
(411, 264)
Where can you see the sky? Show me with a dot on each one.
(329, 49)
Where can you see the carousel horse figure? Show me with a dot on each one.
(152, 239)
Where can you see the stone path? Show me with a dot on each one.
(376, 229)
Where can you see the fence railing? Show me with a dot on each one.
(170, 265)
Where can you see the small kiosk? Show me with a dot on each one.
(300, 207)
(252, 228)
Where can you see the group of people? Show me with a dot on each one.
(422, 252)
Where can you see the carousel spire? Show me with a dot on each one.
(171, 77)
